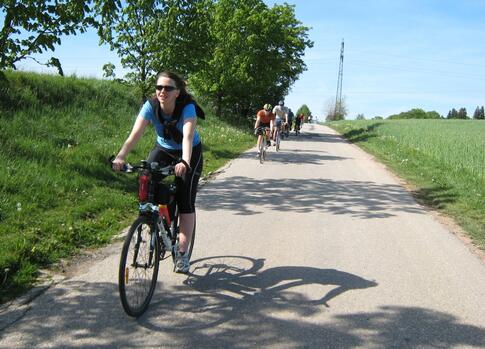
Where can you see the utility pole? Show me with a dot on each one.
(338, 97)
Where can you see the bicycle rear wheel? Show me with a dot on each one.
(262, 150)
(278, 141)
(139, 265)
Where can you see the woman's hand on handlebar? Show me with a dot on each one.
(118, 164)
(182, 168)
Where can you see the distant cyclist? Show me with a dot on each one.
(298, 122)
(264, 118)
(291, 116)
(281, 113)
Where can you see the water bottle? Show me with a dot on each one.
(143, 184)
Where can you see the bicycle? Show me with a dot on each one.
(151, 235)
(263, 146)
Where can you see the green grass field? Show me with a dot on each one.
(443, 159)
(58, 194)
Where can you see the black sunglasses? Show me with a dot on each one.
(167, 88)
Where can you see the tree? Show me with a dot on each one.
(476, 113)
(479, 113)
(336, 113)
(462, 114)
(433, 115)
(452, 114)
(255, 56)
(415, 113)
(305, 111)
(150, 35)
(31, 27)
(360, 117)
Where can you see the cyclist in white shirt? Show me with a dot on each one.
(281, 113)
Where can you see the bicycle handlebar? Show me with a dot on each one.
(153, 167)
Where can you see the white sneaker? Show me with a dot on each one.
(182, 264)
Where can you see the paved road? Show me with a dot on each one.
(320, 247)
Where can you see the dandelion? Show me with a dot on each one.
(19, 206)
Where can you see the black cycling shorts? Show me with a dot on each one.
(186, 187)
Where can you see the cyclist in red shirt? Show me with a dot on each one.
(299, 121)
(264, 118)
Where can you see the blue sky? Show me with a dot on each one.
(399, 55)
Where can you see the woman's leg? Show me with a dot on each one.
(187, 223)
(186, 199)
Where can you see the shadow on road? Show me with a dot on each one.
(237, 292)
(360, 199)
(222, 303)
(293, 155)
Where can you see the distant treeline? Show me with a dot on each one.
(418, 113)
(479, 114)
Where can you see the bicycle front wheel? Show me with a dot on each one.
(139, 265)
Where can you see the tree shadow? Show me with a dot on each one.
(362, 199)
(318, 137)
(414, 327)
(293, 155)
(437, 196)
(362, 134)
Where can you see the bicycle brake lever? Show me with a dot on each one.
(127, 168)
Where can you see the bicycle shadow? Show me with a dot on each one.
(228, 286)
(210, 275)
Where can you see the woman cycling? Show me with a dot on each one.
(173, 113)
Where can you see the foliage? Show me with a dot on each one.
(436, 157)
(305, 111)
(460, 114)
(336, 110)
(255, 56)
(479, 113)
(239, 54)
(416, 113)
(109, 70)
(31, 27)
(152, 35)
(360, 117)
(58, 193)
